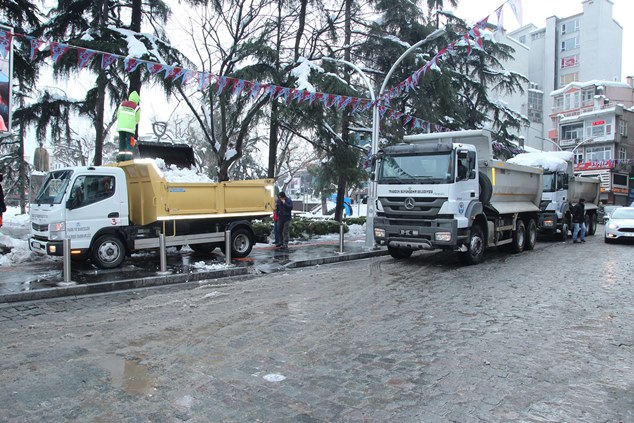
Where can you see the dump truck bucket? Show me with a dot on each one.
(181, 155)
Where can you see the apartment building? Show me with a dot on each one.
(583, 47)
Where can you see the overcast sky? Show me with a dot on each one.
(536, 12)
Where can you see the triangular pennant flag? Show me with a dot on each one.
(238, 86)
(254, 90)
(131, 64)
(58, 50)
(154, 68)
(500, 14)
(204, 79)
(35, 46)
(468, 41)
(516, 7)
(222, 84)
(176, 73)
(5, 43)
(84, 56)
(189, 75)
(107, 59)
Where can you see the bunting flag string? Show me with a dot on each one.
(474, 32)
(235, 86)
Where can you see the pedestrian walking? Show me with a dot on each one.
(579, 221)
(3, 206)
(284, 208)
(128, 116)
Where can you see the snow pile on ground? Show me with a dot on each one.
(202, 266)
(175, 174)
(14, 236)
(552, 161)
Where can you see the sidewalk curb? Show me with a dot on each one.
(171, 279)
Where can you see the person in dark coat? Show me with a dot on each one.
(3, 206)
(579, 221)
(284, 208)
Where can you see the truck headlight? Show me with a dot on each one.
(442, 236)
(549, 222)
(57, 231)
(379, 233)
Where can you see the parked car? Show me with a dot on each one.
(620, 225)
(605, 212)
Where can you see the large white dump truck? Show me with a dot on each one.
(562, 190)
(109, 212)
(446, 191)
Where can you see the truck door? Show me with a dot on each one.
(466, 182)
(93, 204)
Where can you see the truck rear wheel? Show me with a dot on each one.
(591, 224)
(531, 235)
(399, 253)
(107, 252)
(241, 243)
(519, 236)
(475, 247)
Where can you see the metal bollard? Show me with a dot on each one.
(341, 237)
(163, 253)
(66, 246)
(228, 247)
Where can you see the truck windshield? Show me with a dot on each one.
(549, 182)
(429, 168)
(54, 186)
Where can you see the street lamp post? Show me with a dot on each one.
(372, 194)
(550, 141)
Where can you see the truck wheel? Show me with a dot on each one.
(563, 235)
(531, 235)
(475, 247)
(107, 252)
(519, 236)
(399, 253)
(241, 243)
(205, 248)
(592, 224)
(486, 188)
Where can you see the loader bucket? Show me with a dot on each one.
(181, 155)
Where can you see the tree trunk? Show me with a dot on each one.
(135, 25)
(99, 120)
(273, 140)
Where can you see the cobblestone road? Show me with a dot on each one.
(544, 336)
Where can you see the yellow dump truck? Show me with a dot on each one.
(109, 212)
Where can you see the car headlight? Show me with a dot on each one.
(442, 236)
(379, 233)
(57, 231)
(613, 226)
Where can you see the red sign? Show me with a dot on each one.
(599, 164)
(598, 122)
(567, 62)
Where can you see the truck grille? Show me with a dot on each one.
(410, 207)
(39, 228)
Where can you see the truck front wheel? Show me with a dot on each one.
(241, 243)
(531, 235)
(475, 247)
(107, 252)
(592, 224)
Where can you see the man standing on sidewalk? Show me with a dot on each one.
(579, 221)
(284, 208)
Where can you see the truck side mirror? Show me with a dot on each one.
(472, 174)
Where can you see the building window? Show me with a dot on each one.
(595, 154)
(599, 128)
(535, 108)
(570, 44)
(523, 39)
(569, 61)
(586, 97)
(568, 78)
(568, 27)
(538, 35)
(558, 103)
(571, 100)
(579, 156)
(622, 153)
(623, 128)
(571, 132)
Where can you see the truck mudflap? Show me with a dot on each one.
(50, 248)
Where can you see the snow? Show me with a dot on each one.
(590, 83)
(553, 161)
(397, 40)
(16, 224)
(302, 72)
(175, 174)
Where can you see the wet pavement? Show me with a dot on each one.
(45, 279)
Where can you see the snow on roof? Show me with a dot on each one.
(552, 161)
(590, 83)
(590, 113)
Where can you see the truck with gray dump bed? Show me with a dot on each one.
(447, 191)
(562, 190)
